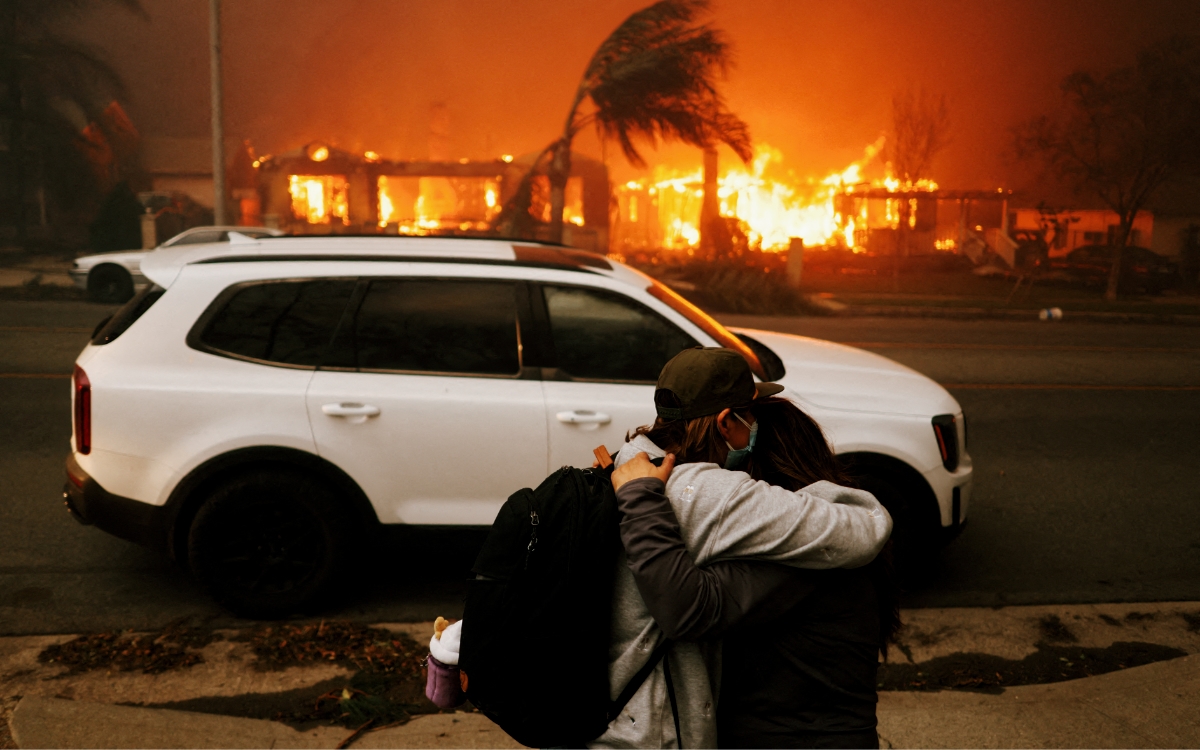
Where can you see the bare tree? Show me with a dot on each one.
(1122, 136)
(920, 130)
(655, 77)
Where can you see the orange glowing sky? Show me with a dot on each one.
(813, 79)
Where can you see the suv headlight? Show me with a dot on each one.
(945, 429)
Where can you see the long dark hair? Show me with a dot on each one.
(791, 451)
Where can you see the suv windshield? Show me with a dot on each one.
(706, 323)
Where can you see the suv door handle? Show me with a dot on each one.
(357, 413)
(583, 416)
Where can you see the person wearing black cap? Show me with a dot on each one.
(800, 648)
(705, 402)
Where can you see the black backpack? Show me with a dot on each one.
(536, 622)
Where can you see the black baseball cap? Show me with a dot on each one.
(705, 380)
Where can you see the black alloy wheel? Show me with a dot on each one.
(270, 544)
(110, 284)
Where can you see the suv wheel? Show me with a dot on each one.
(914, 541)
(110, 284)
(269, 544)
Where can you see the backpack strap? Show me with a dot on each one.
(635, 682)
(674, 703)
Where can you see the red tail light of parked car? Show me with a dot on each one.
(83, 411)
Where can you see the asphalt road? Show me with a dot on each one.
(1084, 437)
(1086, 445)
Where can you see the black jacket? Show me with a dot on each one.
(800, 646)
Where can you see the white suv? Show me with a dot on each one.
(265, 404)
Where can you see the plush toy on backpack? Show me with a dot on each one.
(445, 684)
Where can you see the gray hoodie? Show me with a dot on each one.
(723, 515)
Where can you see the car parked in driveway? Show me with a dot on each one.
(114, 277)
(1141, 269)
(263, 405)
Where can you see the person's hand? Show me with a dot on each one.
(639, 466)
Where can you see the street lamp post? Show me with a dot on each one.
(218, 126)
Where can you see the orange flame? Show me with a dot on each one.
(421, 205)
(772, 210)
(318, 199)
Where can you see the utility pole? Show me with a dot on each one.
(218, 125)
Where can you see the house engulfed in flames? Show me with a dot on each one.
(319, 189)
(843, 209)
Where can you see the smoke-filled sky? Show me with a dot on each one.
(813, 78)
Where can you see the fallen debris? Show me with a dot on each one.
(176, 646)
(348, 644)
(122, 652)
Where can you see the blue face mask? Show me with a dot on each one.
(737, 456)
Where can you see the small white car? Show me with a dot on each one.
(264, 404)
(115, 277)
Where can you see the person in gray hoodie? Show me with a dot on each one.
(800, 648)
(703, 399)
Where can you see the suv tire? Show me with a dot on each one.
(914, 542)
(110, 284)
(269, 544)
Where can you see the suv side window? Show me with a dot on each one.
(119, 322)
(436, 325)
(601, 335)
(286, 322)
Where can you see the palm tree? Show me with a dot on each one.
(653, 78)
(50, 89)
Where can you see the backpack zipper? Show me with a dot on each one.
(534, 521)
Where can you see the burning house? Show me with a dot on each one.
(318, 189)
(844, 209)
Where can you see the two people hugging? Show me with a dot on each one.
(747, 549)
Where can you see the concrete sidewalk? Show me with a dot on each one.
(1148, 706)
(45, 704)
(23, 276)
(51, 722)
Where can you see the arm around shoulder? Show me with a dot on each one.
(823, 525)
(687, 602)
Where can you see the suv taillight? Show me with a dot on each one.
(83, 411)
(946, 431)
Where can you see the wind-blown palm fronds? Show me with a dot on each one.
(654, 78)
(51, 88)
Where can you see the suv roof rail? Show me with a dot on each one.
(428, 237)
(163, 265)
